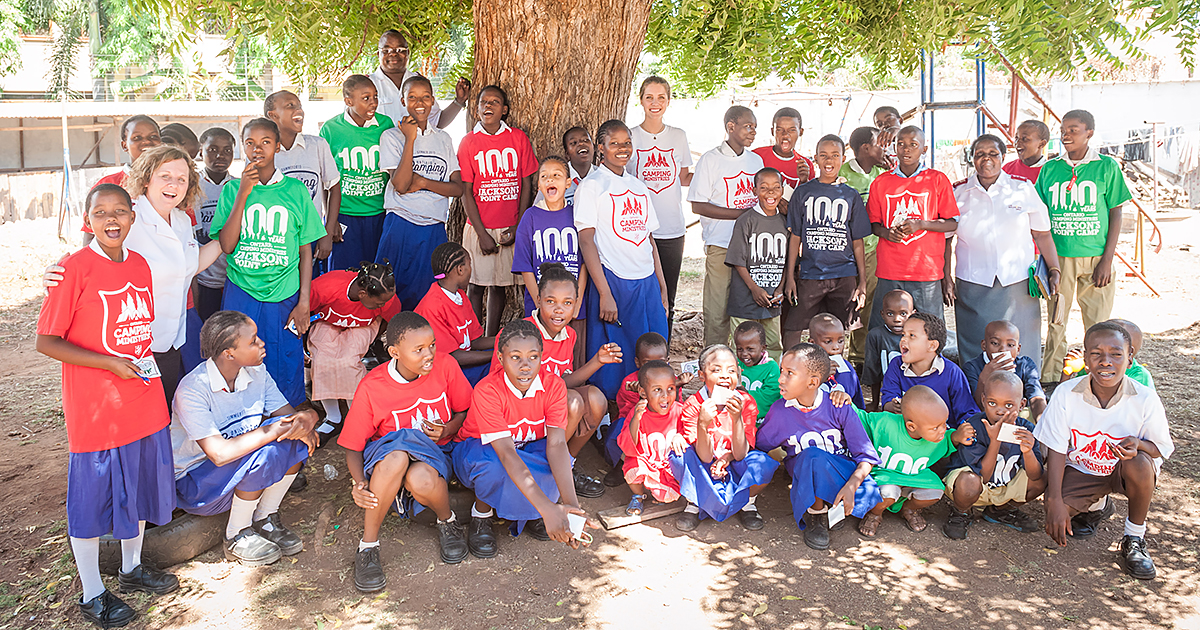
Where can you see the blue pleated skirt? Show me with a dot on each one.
(208, 489)
(109, 491)
(419, 447)
(408, 247)
(817, 473)
(721, 499)
(639, 311)
(360, 241)
(285, 352)
(478, 467)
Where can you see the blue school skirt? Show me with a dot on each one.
(360, 241)
(420, 448)
(285, 353)
(109, 491)
(190, 352)
(408, 247)
(721, 499)
(817, 473)
(478, 467)
(208, 488)
(612, 451)
(639, 310)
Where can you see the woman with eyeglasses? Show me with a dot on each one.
(393, 72)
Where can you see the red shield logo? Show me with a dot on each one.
(907, 206)
(739, 191)
(630, 216)
(657, 168)
(128, 313)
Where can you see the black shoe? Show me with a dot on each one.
(148, 580)
(1014, 518)
(537, 529)
(299, 483)
(368, 571)
(480, 539)
(816, 530)
(956, 526)
(588, 487)
(289, 543)
(687, 521)
(107, 611)
(750, 519)
(1083, 525)
(1134, 558)
(452, 538)
(615, 477)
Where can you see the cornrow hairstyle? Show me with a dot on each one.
(558, 160)
(518, 329)
(1043, 130)
(178, 132)
(133, 120)
(764, 171)
(834, 138)
(708, 353)
(653, 366)
(647, 342)
(220, 332)
(555, 272)
(787, 112)
(735, 113)
(607, 128)
(1083, 116)
(261, 123)
(813, 358)
(354, 82)
(987, 137)
(935, 328)
(376, 278)
(1110, 326)
(751, 326)
(413, 80)
(861, 136)
(214, 132)
(401, 324)
(571, 131)
(105, 188)
(503, 97)
(654, 79)
(269, 102)
(446, 257)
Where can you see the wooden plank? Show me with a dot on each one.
(616, 517)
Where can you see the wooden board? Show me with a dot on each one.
(616, 517)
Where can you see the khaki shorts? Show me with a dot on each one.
(908, 492)
(489, 271)
(1014, 490)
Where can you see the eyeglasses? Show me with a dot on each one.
(393, 51)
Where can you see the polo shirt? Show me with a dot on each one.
(433, 158)
(385, 401)
(310, 160)
(994, 230)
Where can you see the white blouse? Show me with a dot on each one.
(171, 250)
(994, 230)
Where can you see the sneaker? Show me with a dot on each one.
(687, 521)
(615, 477)
(956, 526)
(537, 529)
(751, 519)
(107, 610)
(251, 550)
(1014, 518)
(147, 580)
(289, 543)
(368, 571)
(452, 540)
(481, 541)
(1134, 558)
(816, 530)
(1084, 525)
(588, 487)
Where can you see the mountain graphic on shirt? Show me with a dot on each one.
(133, 307)
(422, 411)
(908, 207)
(526, 430)
(1091, 450)
(656, 159)
(631, 207)
(744, 187)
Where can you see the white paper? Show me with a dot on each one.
(147, 367)
(690, 367)
(1008, 433)
(837, 514)
(576, 522)
(721, 395)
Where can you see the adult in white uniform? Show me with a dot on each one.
(393, 72)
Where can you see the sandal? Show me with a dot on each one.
(913, 519)
(635, 505)
(869, 525)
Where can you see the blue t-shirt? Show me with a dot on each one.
(843, 377)
(1008, 460)
(1025, 368)
(546, 236)
(827, 218)
(949, 383)
(836, 430)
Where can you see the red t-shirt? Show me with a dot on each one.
(498, 411)
(788, 167)
(924, 196)
(1020, 170)
(720, 432)
(626, 398)
(494, 167)
(383, 404)
(454, 325)
(655, 431)
(558, 356)
(328, 297)
(105, 307)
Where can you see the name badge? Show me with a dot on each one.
(148, 367)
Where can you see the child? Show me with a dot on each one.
(396, 438)
(138, 133)
(349, 307)
(512, 448)
(449, 312)
(827, 332)
(721, 191)
(579, 149)
(827, 451)
(921, 363)
(909, 443)
(237, 443)
(827, 222)
(720, 472)
(883, 342)
(265, 222)
(181, 136)
(760, 372)
(423, 177)
(627, 294)
(784, 156)
(868, 163)
(216, 147)
(547, 234)
(1001, 353)
(757, 252)
(1013, 471)
(353, 139)
(1105, 433)
(663, 162)
(911, 208)
(497, 164)
(1135, 371)
(307, 158)
(1032, 138)
(97, 323)
(651, 437)
(649, 347)
(887, 120)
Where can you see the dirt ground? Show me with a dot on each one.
(649, 575)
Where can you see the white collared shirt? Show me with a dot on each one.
(454, 297)
(371, 122)
(217, 382)
(560, 337)
(534, 387)
(391, 101)
(995, 228)
(395, 374)
(173, 254)
(939, 364)
(795, 404)
(478, 128)
(726, 179)
(95, 246)
(433, 158)
(310, 160)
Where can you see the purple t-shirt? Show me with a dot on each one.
(546, 236)
(837, 430)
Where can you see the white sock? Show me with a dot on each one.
(241, 515)
(691, 509)
(367, 545)
(1098, 505)
(268, 502)
(475, 513)
(87, 561)
(1133, 529)
(449, 520)
(131, 549)
(820, 511)
(333, 415)
(750, 505)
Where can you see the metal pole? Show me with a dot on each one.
(932, 116)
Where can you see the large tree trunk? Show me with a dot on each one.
(586, 56)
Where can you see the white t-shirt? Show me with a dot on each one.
(994, 239)
(310, 161)
(1075, 424)
(724, 178)
(434, 159)
(391, 101)
(173, 255)
(618, 208)
(657, 159)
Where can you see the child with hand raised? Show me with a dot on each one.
(650, 436)
(1001, 347)
(921, 363)
(449, 312)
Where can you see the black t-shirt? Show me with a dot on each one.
(827, 218)
(759, 244)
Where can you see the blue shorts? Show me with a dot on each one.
(721, 499)
(819, 474)
(208, 488)
(360, 242)
(478, 467)
(285, 353)
(639, 310)
(420, 448)
(408, 247)
(110, 491)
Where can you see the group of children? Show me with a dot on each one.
(331, 242)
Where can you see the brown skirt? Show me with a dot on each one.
(337, 358)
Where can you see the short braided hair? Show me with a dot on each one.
(447, 256)
(220, 332)
(518, 329)
(376, 278)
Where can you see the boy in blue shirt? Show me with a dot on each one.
(921, 363)
(827, 332)
(1001, 353)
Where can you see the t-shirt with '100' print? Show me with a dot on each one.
(827, 218)
(758, 243)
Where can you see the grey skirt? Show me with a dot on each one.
(977, 306)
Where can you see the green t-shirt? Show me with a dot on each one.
(905, 461)
(1079, 209)
(356, 151)
(862, 183)
(279, 218)
(762, 382)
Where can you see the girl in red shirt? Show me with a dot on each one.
(651, 437)
(450, 313)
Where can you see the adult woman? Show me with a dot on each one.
(993, 253)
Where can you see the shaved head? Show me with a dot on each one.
(1003, 379)
(1001, 325)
